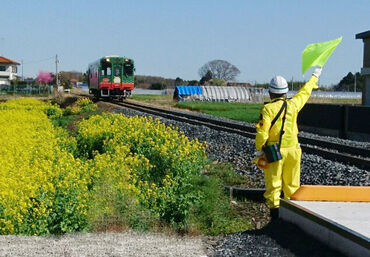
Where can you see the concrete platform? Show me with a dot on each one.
(332, 193)
(344, 226)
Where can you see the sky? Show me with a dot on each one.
(173, 38)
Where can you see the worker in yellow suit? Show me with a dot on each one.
(285, 173)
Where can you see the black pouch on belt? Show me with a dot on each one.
(272, 152)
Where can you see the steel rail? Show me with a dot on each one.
(310, 146)
(352, 150)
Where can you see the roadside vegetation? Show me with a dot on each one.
(166, 100)
(237, 111)
(248, 112)
(75, 169)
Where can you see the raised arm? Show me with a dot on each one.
(304, 93)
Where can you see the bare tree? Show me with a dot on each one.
(219, 69)
(207, 77)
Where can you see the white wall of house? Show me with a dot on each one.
(8, 72)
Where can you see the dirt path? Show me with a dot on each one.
(103, 244)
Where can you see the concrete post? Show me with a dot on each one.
(365, 71)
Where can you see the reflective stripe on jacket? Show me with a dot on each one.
(270, 110)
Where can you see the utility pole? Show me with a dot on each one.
(2, 40)
(355, 82)
(22, 71)
(292, 84)
(56, 70)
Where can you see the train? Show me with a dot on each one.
(111, 77)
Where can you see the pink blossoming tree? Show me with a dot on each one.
(44, 77)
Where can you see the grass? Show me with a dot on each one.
(156, 99)
(236, 111)
(257, 213)
(226, 173)
(69, 121)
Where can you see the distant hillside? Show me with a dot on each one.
(143, 81)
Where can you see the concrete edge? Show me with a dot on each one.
(336, 236)
(255, 194)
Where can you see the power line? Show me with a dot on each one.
(42, 60)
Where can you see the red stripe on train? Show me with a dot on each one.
(111, 86)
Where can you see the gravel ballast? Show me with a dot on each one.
(239, 150)
(102, 244)
(361, 144)
(277, 238)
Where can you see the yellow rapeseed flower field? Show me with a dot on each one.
(39, 181)
(51, 182)
(157, 162)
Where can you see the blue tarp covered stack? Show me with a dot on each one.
(183, 92)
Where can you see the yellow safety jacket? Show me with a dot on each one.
(270, 110)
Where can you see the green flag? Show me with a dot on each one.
(318, 54)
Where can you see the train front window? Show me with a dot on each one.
(128, 69)
(106, 68)
(117, 70)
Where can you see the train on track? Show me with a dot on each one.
(111, 77)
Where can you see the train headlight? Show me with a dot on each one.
(107, 59)
(126, 60)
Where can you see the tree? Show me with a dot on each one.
(218, 82)
(158, 86)
(193, 82)
(220, 69)
(66, 76)
(84, 78)
(44, 77)
(179, 81)
(207, 77)
(347, 83)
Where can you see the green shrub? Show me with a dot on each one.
(158, 86)
(67, 111)
(86, 105)
(214, 214)
(167, 161)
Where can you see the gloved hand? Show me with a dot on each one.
(260, 160)
(259, 153)
(317, 72)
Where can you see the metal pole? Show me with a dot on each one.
(292, 84)
(355, 82)
(2, 40)
(56, 70)
(22, 71)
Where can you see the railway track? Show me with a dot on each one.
(341, 233)
(356, 156)
(329, 150)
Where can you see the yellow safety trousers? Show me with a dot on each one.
(283, 174)
(286, 172)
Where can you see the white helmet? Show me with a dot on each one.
(278, 85)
